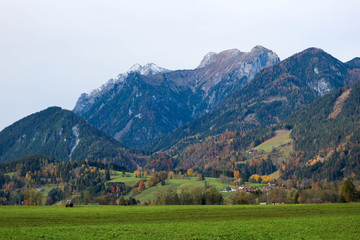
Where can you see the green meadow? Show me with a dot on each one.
(187, 184)
(150, 193)
(281, 138)
(322, 221)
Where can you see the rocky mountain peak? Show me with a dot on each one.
(212, 57)
(232, 56)
(87, 99)
(208, 59)
(148, 69)
(311, 51)
(259, 48)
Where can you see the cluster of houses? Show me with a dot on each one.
(266, 187)
(241, 188)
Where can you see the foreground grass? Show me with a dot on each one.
(323, 221)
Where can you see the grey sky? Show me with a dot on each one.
(53, 50)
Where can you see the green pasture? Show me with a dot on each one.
(322, 221)
(149, 194)
(281, 138)
(10, 174)
(186, 183)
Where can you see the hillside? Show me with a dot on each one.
(323, 144)
(62, 135)
(39, 180)
(327, 137)
(270, 97)
(141, 106)
(149, 194)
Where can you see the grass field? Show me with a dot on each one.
(116, 177)
(149, 193)
(282, 137)
(10, 174)
(186, 183)
(322, 221)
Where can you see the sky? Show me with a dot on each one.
(51, 51)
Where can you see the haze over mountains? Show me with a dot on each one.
(150, 102)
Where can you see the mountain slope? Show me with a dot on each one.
(60, 134)
(86, 100)
(327, 137)
(139, 108)
(273, 95)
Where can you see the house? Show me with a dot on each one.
(247, 189)
(272, 184)
(226, 189)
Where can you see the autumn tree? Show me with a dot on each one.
(199, 177)
(190, 172)
(171, 175)
(32, 197)
(137, 174)
(266, 179)
(347, 191)
(141, 186)
(236, 174)
(255, 178)
(156, 178)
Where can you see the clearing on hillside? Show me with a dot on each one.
(282, 138)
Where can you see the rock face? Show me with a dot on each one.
(229, 71)
(149, 102)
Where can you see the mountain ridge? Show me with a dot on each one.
(60, 134)
(87, 99)
(170, 99)
(271, 96)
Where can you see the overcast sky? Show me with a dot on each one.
(51, 51)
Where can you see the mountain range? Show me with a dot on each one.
(274, 94)
(149, 102)
(211, 117)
